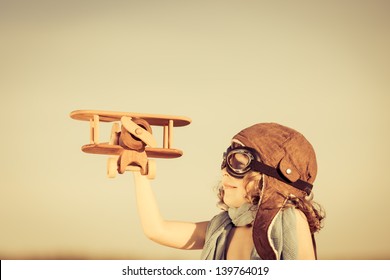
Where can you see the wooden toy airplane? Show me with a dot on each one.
(131, 141)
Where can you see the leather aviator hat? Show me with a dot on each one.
(289, 167)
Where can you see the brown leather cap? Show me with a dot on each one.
(293, 156)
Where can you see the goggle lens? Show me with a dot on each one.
(237, 161)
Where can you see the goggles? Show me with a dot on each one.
(240, 160)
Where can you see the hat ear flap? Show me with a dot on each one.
(270, 204)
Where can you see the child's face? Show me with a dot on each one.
(234, 190)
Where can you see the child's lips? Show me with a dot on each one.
(227, 186)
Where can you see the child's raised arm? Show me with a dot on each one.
(181, 235)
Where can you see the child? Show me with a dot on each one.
(265, 195)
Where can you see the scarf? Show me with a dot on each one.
(219, 228)
(283, 234)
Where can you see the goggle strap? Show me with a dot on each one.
(273, 172)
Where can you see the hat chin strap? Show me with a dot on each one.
(275, 173)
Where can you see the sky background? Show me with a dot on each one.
(320, 67)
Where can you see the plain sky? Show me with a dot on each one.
(320, 67)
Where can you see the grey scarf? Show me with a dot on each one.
(219, 228)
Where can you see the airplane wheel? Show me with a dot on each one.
(112, 167)
(151, 169)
